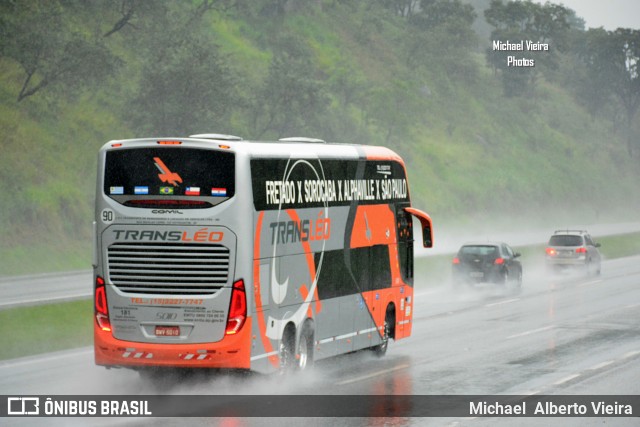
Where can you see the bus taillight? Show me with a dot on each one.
(237, 308)
(101, 307)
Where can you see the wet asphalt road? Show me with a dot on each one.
(561, 335)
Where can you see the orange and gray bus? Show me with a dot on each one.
(216, 252)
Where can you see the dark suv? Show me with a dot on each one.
(493, 262)
(573, 249)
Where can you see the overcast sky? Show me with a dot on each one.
(609, 14)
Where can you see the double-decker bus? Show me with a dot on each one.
(216, 252)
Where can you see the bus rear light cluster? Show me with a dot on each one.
(101, 308)
(237, 308)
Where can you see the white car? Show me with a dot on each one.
(573, 249)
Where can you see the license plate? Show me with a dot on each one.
(476, 274)
(167, 331)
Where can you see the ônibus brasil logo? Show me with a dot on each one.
(166, 175)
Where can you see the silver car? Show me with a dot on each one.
(573, 249)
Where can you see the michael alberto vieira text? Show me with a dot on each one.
(550, 408)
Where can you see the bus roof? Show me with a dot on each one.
(286, 147)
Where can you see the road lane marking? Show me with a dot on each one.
(631, 354)
(373, 375)
(593, 282)
(533, 331)
(601, 365)
(508, 301)
(526, 392)
(566, 379)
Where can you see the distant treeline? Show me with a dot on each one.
(183, 81)
(489, 127)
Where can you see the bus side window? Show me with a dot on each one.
(404, 224)
(371, 267)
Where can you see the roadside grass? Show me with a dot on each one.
(620, 245)
(26, 331)
(44, 258)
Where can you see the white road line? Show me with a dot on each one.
(372, 375)
(533, 331)
(508, 301)
(526, 393)
(593, 282)
(566, 379)
(631, 354)
(601, 365)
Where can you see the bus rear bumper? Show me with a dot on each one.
(233, 352)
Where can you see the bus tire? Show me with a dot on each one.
(287, 349)
(387, 333)
(304, 356)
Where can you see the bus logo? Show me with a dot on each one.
(166, 175)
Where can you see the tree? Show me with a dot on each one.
(185, 86)
(437, 12)
(442, 37)
(625, 61)
(591, 74)
(521, 21)
(610, 71)
(49, 49)
(404, 8)
(292, 97)
(514, 15)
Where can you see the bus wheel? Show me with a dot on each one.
(305, 347)
(381, 349)
(287, 350)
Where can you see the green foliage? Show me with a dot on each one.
(518, 22)
(383, 73)
(184, 83)
(41, 37)
(292, 98)
(608, 64)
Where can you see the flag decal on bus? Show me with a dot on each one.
(218, 192)
(192, 191)
(166, 175)
(139, 189)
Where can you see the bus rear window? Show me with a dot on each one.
(168, 177)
